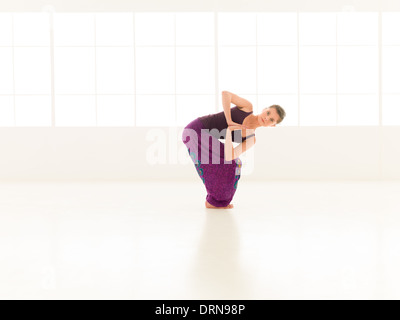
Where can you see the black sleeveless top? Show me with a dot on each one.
(218, 121)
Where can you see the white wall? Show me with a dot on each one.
(287, 153)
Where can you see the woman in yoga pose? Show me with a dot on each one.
(212, 158)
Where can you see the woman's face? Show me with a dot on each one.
(269, 117)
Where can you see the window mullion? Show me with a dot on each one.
(53, 109)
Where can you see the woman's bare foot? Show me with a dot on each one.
(210, 206)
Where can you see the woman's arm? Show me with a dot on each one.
(228, 148)
(226, 103)
(233, 153)
(227, 99)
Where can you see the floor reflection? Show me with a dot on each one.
(217, 273)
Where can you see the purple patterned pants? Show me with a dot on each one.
(220, 177)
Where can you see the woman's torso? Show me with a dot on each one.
(218, 121)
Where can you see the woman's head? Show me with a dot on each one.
(272, 116)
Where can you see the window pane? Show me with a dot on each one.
(155, 70)
(325, 34)
(237, 69)
(31, 29)
(237, 29)
(318, 110)
(154, 29)
(74, 70)
(74, 29)
(115, 110)
(318, 69)
(195, 28)
(276, 28)
(289, 103)
(195, 70)
(32, 70)
(390, 28)
(74, 111)
(357, 28)
(190, 107)
(5, 29)
(391, 69)
(157, 110)
(115, 70)
(114, 29)
(391, 110)
(358, 70)
(33, 110)
(249, 97)
(277, 70)
(6, 111)
(358, 110)
(6, 71)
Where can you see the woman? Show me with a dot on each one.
(213, 159)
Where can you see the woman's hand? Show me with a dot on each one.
(234, 128)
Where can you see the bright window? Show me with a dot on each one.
(277, 70)
(318, 70)
(155, 110)
(358, 110)
(391, 109)
(155, 29)
(115, 70)
(115, 110)
(195, 70)
(31, 29)
(74, 70)
(357, 28)
(33, 111)
(6, 28)
(195, 29)
(390, 28)
(155, 70)
(114, 29)
(6, 111)
(237, 29)
(75, 110)
(318, 110)
(166, 68)
(277, 29)
(324, 34)
(7, 72)
(237, 69)
(74, 29)
(391, 69)
(358, 69)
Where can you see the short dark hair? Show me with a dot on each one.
(280, 111)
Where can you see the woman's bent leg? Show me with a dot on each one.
(220, 179)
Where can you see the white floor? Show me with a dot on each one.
(283, 240)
